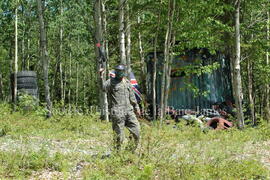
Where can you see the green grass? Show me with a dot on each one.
(73, 147)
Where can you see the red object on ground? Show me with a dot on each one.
(219, 123)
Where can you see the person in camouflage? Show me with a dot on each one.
(122, 105)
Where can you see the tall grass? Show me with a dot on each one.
(75, 146)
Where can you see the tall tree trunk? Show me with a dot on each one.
(55, 88)
(142, 61)
(11, 82)
(98, 48)
(77, 85)
(122, 32)
(166, 68)
(106, 47)
(57, 92)
(44, 56)
(128, 40)
(23, 40)
(105, 32)
(237, 69)
(250, 91)
(61, 83)
(141, 49)
(16, 56)
(267, 88)
(84, 88)
(28, 54)
(60, 57)
(168, 73)
(154, 98)
(64, 82)
(23, 53)
(70, 79)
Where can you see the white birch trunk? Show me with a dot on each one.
(128, 36)
(122, 46)
(70, 81)
(154, 97)
(106, 46)
(23, 53)
(166, 68)
(98, 41)
(77, 85)
(142, 61)
(267, 88)
(64, 82)
(28, 54)
(141, 48)
(60, 57)
(23, 65)
(84, 87)
(11, 83)
(237, 69)
(16, 56)
(250, 91)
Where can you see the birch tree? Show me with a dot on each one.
(237, 68)
(267, 88)
(154, 97)
(16, 54)
(69, 80)
(122, 44)
(165, 84)
(44, 56)
(128, 40)
(61, 54)
(99, 45)
(250, 91)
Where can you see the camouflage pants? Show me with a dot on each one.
(129, 120)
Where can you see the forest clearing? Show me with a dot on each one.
(77, 147)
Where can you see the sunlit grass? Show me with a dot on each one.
(74, 146)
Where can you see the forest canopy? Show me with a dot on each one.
(66, 42)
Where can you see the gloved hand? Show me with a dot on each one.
(101, 72)
(138, 113)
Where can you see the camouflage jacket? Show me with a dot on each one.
(120, 95)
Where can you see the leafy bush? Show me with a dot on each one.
(26, 102)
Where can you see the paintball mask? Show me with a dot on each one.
(120, 72)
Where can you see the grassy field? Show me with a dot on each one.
(75, 147)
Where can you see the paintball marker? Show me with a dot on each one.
(102, 56)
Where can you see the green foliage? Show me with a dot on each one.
(147, 173)
(197, 24)
(26, 102)
(30, 104)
